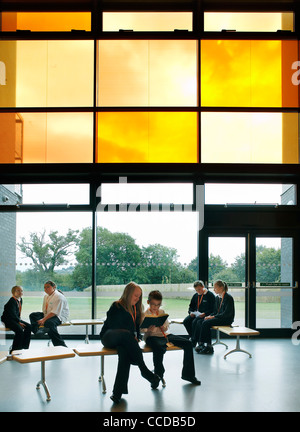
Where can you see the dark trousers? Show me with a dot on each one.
(205, 331)
(50, 327)
(159, 347)
(129, 352)
(193, 326)
(22, 335)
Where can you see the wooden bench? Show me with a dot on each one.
(42, 355)
(99, 350)
(234, 331)
(87, 322)
(3, 356)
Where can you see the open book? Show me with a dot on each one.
(157, 321)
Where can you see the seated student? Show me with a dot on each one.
(223, 314)
(55, 311)
(12, 319)
(201, 305)
(121, 330)
(158, 338)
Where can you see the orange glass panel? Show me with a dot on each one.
(47, 73)
(249, 137)
(46, 138)
(147, 137)
(147, 73)
(46, 21)
(247, 73)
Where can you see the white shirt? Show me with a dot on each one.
(57, 304)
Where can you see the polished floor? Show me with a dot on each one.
(267, 382)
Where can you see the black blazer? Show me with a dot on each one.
(11, 311)
(224, 310)
(206, 306)
(119, 318)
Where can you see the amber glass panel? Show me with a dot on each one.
(147, 137)
(47, 73)
(249, 138)
(250, 22)
(147, 73)
(50, 21)
(147, 21)
(248, 73)
(46, 138)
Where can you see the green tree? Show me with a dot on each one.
(47, 252)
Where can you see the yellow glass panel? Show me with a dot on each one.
(147, 73)
(249, 138)
(147, 137)
(46, 138)
(248, 21)
(247, 73)
(46, 21)
(62, 75)
(147, 21)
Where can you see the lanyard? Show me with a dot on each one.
(221, 302)
(133, 317)
(19, 305)
(199, 301)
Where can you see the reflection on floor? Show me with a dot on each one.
(269, 381)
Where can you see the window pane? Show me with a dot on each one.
(147, 73)
(249, 137)
(62, 75)
(162, 257)
(250, 22)
(147, 21)
(46, 137)
(179, 193)
(55, 194)
(274, 276)
(222, 193)
(50, 21)
(147, 137)
(62, 236)
(248, 73)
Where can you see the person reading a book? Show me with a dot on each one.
(158, 338)
(201, 305)
(121, 330)
(223, 314)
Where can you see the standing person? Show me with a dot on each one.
(121, 330)
(223, 314)
(201, 305)
(12, 319)
(158, 339)
(55, 311)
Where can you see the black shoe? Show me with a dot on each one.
(155, 382)
(199, 347)
(115, 399)
(194, 343)
(192, 380)
(206, 350)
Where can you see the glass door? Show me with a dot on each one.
(274, 282)
(227, 261)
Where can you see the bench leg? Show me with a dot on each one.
(101, 377)
(43, 381)
(237, 349)
(218, 341)
(87, 334)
